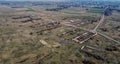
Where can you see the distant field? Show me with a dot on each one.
(79, 11)
(72, 12)
(30, 9)
(95, 10)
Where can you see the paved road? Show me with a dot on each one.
(100, 22)
(95, 29)
(108, 37)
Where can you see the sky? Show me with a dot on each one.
(54, 0)
(33, 0)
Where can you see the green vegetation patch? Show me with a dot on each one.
(71, 12)
(95, 10)
(30, 9)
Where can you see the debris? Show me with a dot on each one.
(45, 43)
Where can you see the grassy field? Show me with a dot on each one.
(72, 12)
(21, 44)
(95, 10)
